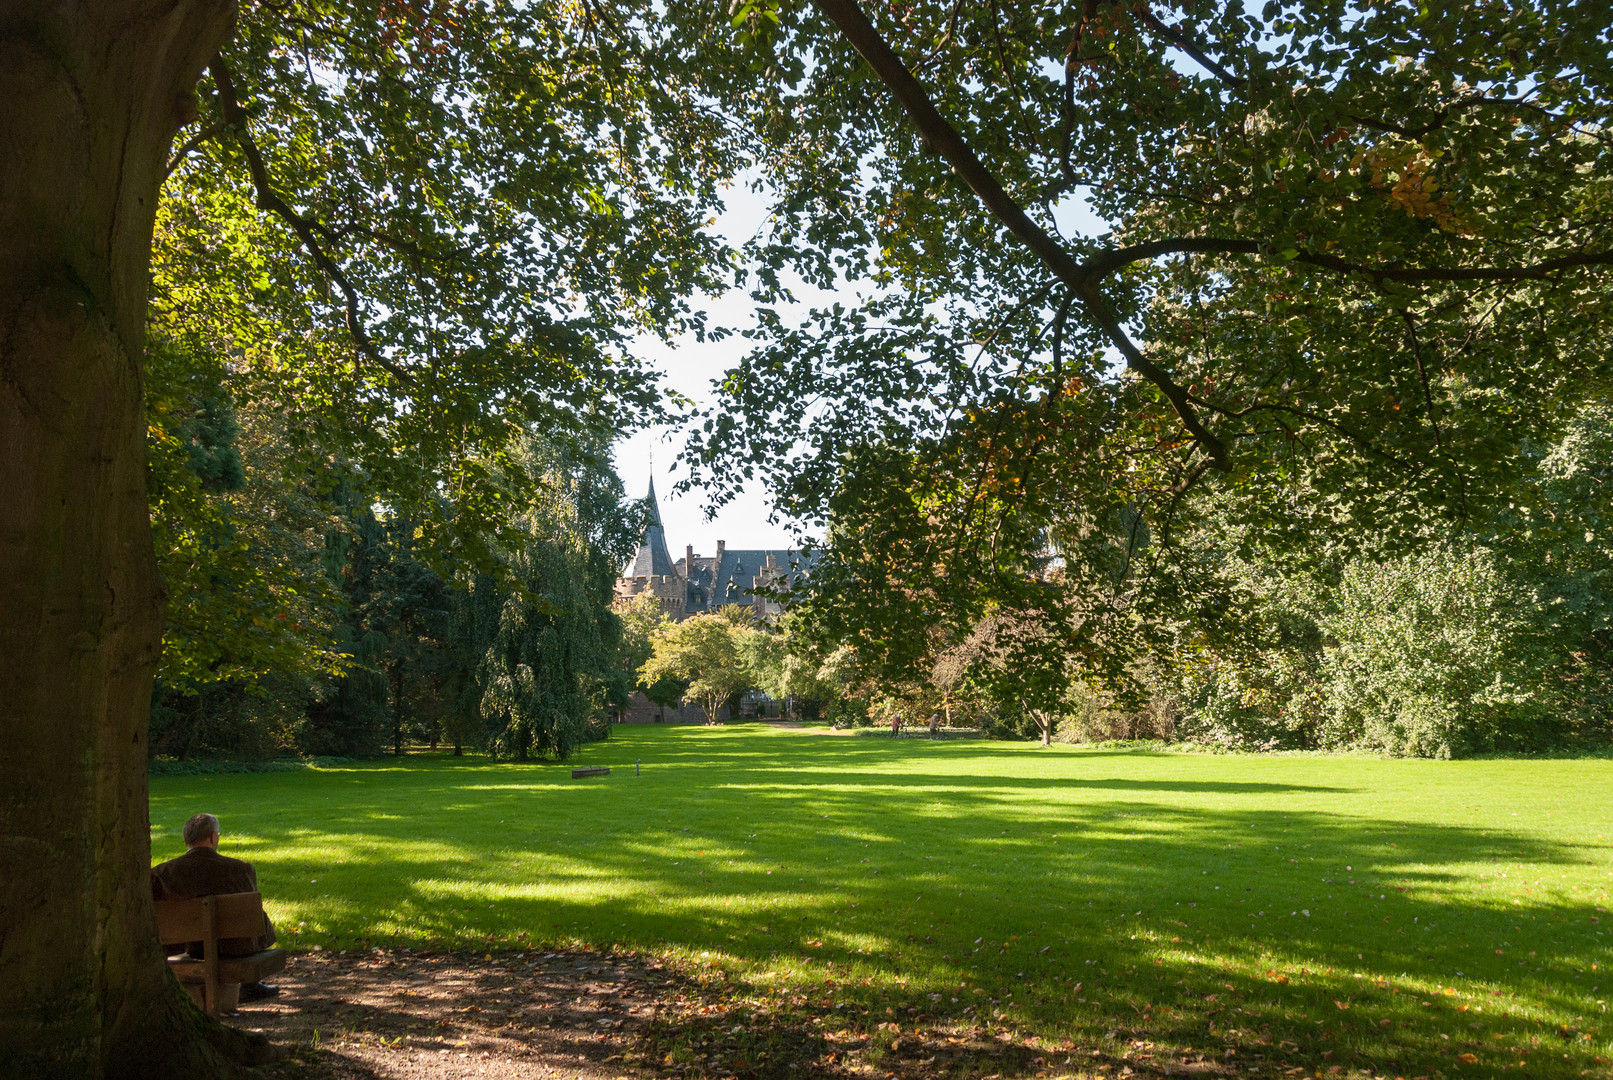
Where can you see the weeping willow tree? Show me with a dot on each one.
(549, 672)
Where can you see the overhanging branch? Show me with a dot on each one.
(1182, 41)
(1412, 275)
(190, 145)
(942, 137)
(1107, 262)
(307, 229)
(1083, 278)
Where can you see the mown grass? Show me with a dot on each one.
(1341, 914)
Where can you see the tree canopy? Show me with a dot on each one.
(428, 226)
(1353, 259)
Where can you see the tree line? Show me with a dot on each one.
(307, 618)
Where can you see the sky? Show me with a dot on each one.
(690, 368)
(742, 523)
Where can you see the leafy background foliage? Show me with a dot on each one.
(1353, 272)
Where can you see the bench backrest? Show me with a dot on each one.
(209, 918)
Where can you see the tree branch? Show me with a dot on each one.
(267, 200)
(1410, 275)
(1314, 417)
(1107, 262)
(1176, 493)
(189, 146)
(1072, 61)
(1422, 375)
(1441, 115)
(1190, 47)
(941, 136)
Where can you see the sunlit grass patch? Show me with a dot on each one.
(1392, 915)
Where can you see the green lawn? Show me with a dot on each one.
(1397, 917)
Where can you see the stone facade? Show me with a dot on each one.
(700, 583)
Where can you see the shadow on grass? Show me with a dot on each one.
(1162, 917)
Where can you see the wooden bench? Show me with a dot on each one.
(209, 919)
(590, 770)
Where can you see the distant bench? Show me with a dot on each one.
(209, 919)
(590, 770)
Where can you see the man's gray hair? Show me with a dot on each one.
(199, 828)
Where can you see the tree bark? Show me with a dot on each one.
(90, 97)
(395, 677)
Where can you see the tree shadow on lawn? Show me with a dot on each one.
(942, 781)
(712, 754)
(1285, 937)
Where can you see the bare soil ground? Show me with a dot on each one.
(409, 1015)
(589, 1016)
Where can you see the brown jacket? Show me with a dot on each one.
(201, 871)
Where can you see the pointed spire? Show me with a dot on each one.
(652, 556)
(655, 504)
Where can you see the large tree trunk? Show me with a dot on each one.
(90, 97)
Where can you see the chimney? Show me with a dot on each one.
(721, 546)
(688, 560)
(772, 562)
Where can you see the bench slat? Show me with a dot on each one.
(235, 915)
(238, 915)
(180, 921)
(231, 969)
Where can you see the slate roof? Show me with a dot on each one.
(712, 584)
(652, 556)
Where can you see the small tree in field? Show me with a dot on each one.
(642, 618)
(1014, 661)
(708, 652)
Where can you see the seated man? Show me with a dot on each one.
(202, 871)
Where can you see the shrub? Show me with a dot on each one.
(1438, 654)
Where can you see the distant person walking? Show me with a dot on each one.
(935, 725)
(896, 726)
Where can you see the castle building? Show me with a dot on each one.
(700, 583)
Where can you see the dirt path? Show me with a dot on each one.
(587, 1016)
(400, 1015)
(809, 730)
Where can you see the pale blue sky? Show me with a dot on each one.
(690, 368)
